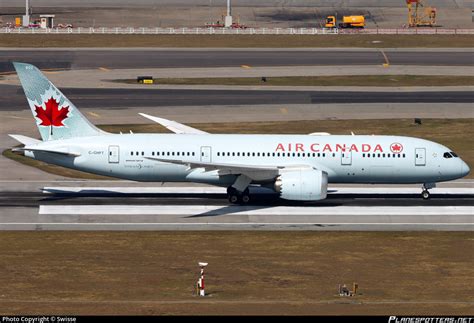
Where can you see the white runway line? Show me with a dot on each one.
(251, 210)
(220, 190)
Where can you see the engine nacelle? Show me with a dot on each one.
(302, 185)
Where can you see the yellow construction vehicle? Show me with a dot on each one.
(419, 14)
(347, 22)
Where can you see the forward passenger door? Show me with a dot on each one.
(420, 156)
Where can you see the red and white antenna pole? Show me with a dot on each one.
(200, 282)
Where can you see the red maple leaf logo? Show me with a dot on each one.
(396, 147)
(51, 115)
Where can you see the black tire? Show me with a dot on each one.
(234, 198)
(425, 195)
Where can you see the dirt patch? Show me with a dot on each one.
(248, 273)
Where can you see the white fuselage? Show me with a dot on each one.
(346, 159)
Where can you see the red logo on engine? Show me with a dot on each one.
(396, 147)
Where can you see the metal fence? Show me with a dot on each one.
(235, 31)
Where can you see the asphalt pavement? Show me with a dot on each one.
(141, 58)
(13, 98)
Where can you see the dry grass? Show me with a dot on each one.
(457, 134)
(248, 273)
(271, 41)
(348, 80)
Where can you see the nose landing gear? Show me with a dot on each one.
(425, 194)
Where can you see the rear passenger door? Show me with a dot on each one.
(114, 154)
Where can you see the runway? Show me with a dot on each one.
(206, 208)
(154, 58)
(13, 98)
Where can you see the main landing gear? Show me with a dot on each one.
(425, 194)
(236, 197)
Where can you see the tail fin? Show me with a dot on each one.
(56, 116)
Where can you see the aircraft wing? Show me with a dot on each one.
(174, 126)
(255, 172)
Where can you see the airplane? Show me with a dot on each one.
(297, 167)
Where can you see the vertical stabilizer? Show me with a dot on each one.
(56, 116)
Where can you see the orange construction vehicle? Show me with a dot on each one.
(347, 22)
(420, 14)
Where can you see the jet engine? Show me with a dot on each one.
(302, 185)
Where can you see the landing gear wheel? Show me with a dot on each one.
(425, 194)
(234, 198)
(245, 198)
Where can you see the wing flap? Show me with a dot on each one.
(255, 172)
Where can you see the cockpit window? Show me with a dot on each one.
(447, 155)
(453, 154)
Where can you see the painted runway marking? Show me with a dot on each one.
(387, 63)
(252, 210)
(93, 114)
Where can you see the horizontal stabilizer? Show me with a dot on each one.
(60, 151)
(174, 126)
(25, 140)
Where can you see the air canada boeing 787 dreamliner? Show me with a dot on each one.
(298, 167)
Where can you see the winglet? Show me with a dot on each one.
(174, 126)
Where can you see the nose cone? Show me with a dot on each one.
(464, 169)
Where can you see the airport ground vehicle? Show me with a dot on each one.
(347, 22)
